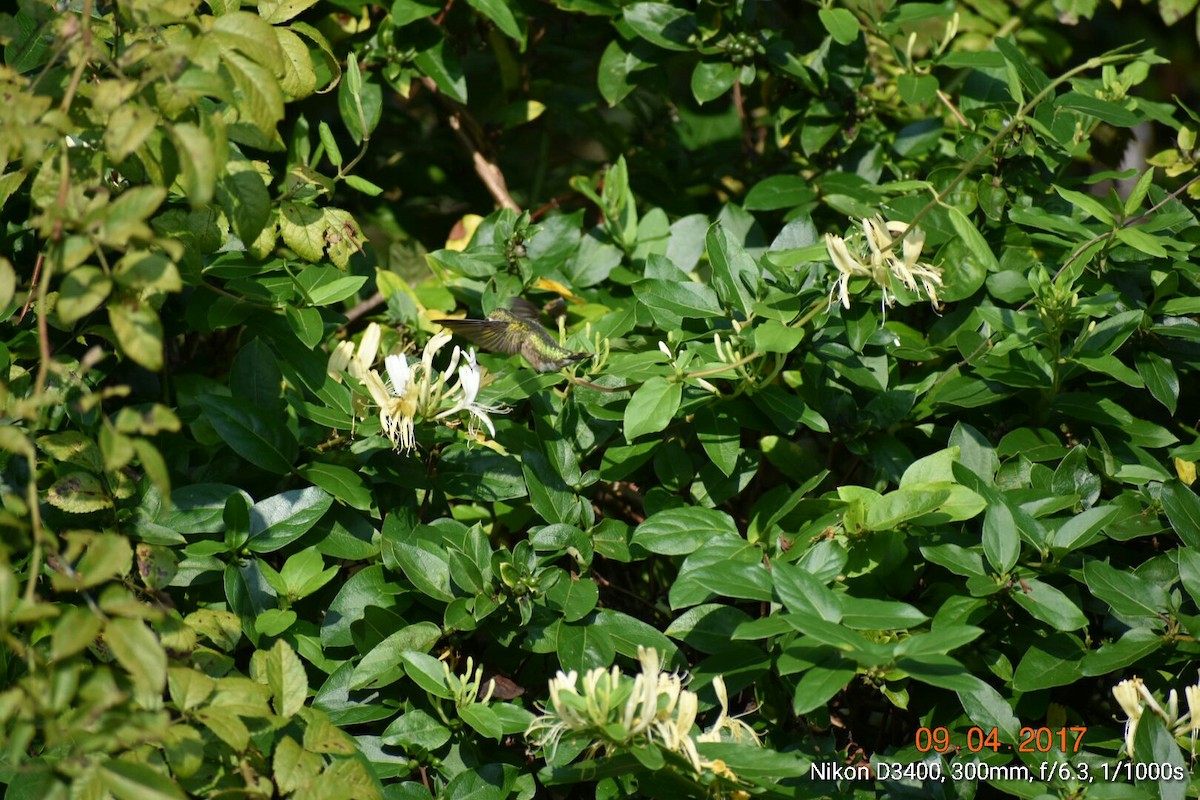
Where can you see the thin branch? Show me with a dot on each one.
(486, 168)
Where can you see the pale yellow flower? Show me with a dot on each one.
(880, 261)
(415, 391)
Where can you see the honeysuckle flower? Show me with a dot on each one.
(357, 361)
(615, 711)
(1135, 699)
(470, 378)
(397, 407)
(415, 391)
(727, 728)
(881, 262)
(1128, 695)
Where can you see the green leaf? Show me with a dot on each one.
(426, 672)
(440, 64)
(139, 331)
(1134, 645)
(277, 11)
(820, 683)
(81, 292)
(917, 90)
(616, 65)
(302, 228)
(1048, 604)
(1082, 529)
(548, 492)
(138, 650)
(1053, 661)
(482, 719)
(1159, 375)
(583, 647)
(652, 407)
(282, 519)
(480, 475)
(735, 273)
(681, 531)
(710, 80)
(257, 436)
(498, 12)
(189, 688)
(1125, 592)
(721, 437)
(426, 565)
(403, 652)
(1001, 542)
(244, 197)
(226, 725)
(988, 709)
(780, 191)
(346, 485)
(1102, 110)
(803, 593)
(574, 598)
(1182, 508)
(286, 677)
(841, 24)
(198, 160)
(406, 11)
(130, 781)
(740, 581)
(75, 631)
(416, 728)
(902, 505)
(107, 556)
(671, 301)
(663, 24)
(485, 783)
(1154, 744)
(1031, 78)
(869, 614)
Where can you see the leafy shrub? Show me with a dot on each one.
(882, 454)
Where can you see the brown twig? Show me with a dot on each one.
(363, 308)
(486, 168)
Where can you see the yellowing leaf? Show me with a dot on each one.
(461, 233)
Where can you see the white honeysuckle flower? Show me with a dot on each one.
(616, 711)
(1129, 698)
(847, 268)
(1135, 699)
(413, 390)
(368, 347)
(398, 373)
(1192, 695)
(339, 360)
(436, 343)
(470, 379)
(377, 389)
(726, 727)
(881, 263)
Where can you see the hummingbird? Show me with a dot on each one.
(516, 329)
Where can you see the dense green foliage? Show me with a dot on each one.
(889, 424)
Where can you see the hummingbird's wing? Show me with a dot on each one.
(493, 335)
(523, 309)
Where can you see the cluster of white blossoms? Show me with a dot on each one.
(615, 711)
(876, 257)
(414, 392)
(1135, 699)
